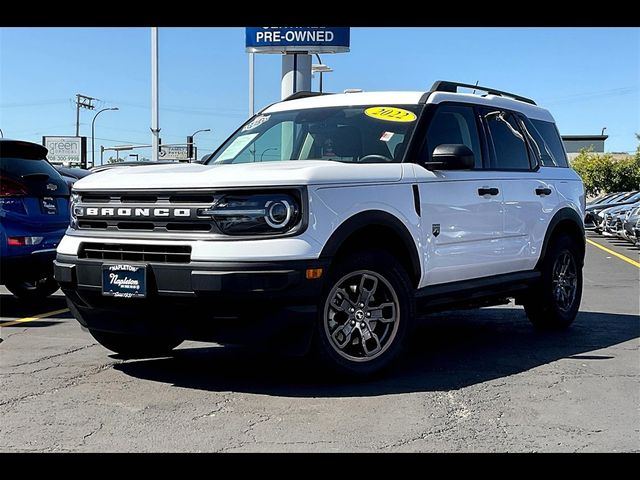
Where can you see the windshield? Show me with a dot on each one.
(363, 134)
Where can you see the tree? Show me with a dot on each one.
(604, 173)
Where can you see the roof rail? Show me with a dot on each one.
(444, 86)
(303, 94)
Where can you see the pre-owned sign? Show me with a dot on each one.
(66, 150)
(297, 39)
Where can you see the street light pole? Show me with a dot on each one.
(320, 62)
(93, 134)
(320, 68)
(190, 142)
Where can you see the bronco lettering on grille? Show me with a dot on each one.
(134, 212)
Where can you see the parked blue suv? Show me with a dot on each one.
(34, 214)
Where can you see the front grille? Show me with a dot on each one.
(191, 198)
(147, 202)
(136, 253)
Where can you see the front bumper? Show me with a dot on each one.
(227, 302)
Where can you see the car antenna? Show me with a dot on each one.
(474, 90)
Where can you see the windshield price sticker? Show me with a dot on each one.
(390, 114)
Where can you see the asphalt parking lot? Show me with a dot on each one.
(479, 380)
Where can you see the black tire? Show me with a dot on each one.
(375, 280)
(554, 303)
(33, 290)
(135, 346)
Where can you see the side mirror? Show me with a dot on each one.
(451, 156)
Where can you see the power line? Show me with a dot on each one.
(137, 131)
(578, 97)
(213, 111)
(32, 104)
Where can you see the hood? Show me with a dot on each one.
(193, 175)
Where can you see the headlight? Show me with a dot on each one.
(256, 214)
(75, 199)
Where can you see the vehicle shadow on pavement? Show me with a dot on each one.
(448, 352)
(12, 308)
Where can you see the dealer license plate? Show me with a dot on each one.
(127, 281)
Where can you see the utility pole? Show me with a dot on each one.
(155, 114)
(82, 101)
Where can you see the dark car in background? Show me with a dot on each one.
(34, 214)
(71, 175)
(141, 163)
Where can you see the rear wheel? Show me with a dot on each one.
(33, 289)
(365, 314)
(135, 346)
(554, 303)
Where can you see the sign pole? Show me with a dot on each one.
(252, 69)
(155, 114)
(296, 74)
(295, 44)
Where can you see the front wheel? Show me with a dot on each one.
(365, 314)
(554, 303)
(33, 290)
(135, 346)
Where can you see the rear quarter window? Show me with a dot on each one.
(550, 135)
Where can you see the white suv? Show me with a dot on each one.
(331, 221)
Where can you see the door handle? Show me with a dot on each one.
(543, 191)
(488, 191)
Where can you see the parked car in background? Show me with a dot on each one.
(629, 222)
(109, 166)
(615, 214)
(594, 215)
(636, 233)
(34, 214)
(603, 198)
(71, 175)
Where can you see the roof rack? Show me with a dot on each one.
(444, 86)
(304, 94)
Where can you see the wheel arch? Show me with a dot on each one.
(376, 228)
(565, 221)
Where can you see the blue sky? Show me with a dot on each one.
(588, 77)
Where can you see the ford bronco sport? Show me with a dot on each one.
(330, 221)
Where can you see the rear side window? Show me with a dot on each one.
(551, 137)
(40, 178)
(454, 124)
(509, 146)
(20, 167)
